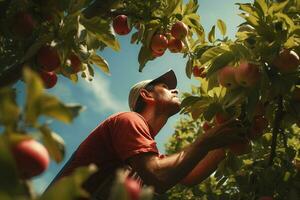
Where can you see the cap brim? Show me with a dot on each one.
(169, 78)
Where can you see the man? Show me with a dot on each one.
(126, 140)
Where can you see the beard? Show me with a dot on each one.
(169, 108)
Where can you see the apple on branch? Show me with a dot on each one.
(197, 71)
(49, 79)
(247, 74)
(120, 25)
(47, 58)
(287, 61)
(31, 157)
(159, 43)
(175, 45)
(179, 30)
(226, 77)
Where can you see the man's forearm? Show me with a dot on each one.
(172, 169)
(205, 167)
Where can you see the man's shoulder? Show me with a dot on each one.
(127, 115)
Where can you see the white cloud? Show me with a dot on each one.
(101, 97)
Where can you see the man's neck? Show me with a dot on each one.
(155, 121)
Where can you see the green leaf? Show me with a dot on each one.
(211, 34)
(34, 90)
(222, 27)
(8, 171)
(100, 62)
(211, 53)
(247, 7)
(77, 5)
(277, 7)
(219, 62)
(172, 7)
(54, 143)
(189, 68)
(52, 107)
(262, 5)
(9, 110)
(191, 7)
(211, 111)
(144, 56)
(100, 29)
(70, 187)
(190, 100)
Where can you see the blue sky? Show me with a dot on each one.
(106, 95)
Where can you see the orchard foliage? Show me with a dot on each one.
(41, 41)
(254, 78)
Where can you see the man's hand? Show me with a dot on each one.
(223, 135)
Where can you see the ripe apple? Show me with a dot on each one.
(287, 61)
(49, 79)
(259, 124)
(159, 43)
(240, 148)
(265, 198)
(133, 189)
(206, 126)
(31, 158)
(75, 63)
(220, 118)
(120, 25)
(179, 30)
(23, 24)
(226, 77)
(175, 45)
(247, 74)
(48, 58)
(157, 54)
(197, 71)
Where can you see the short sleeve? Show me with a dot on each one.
(131, 136)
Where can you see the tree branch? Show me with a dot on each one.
(276, 128)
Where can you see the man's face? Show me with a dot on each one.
(166, 99)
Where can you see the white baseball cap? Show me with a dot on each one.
(169, 78)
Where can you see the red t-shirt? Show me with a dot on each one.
(109, 146)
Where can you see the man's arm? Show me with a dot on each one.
(163, 173)
(204, 168)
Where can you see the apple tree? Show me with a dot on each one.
(42, 41)
(254, 78)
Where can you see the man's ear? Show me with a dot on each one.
(146, 95)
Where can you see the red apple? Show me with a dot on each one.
(120, 25)
(287, 61)
(75, 63)
(265, 198)
(31, 158)
(48, 58)
(197, 71)
(49, 79)
(23, 24)
(247, 74)
(226, 77)
(179, 30)
(157, 54)
(259, 124)
(220, 118)
(240, 148)
(133, 189)
(159, 43)
(206, 126)
(175, 45)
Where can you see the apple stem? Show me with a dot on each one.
(276, 128)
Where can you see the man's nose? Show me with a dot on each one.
(175, 91)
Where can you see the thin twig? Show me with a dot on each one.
(276, 127)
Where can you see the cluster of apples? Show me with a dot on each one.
(48, 60)
(159, 42)
(31, 158)
(172, 41)
(256, 130)
(246, 75)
